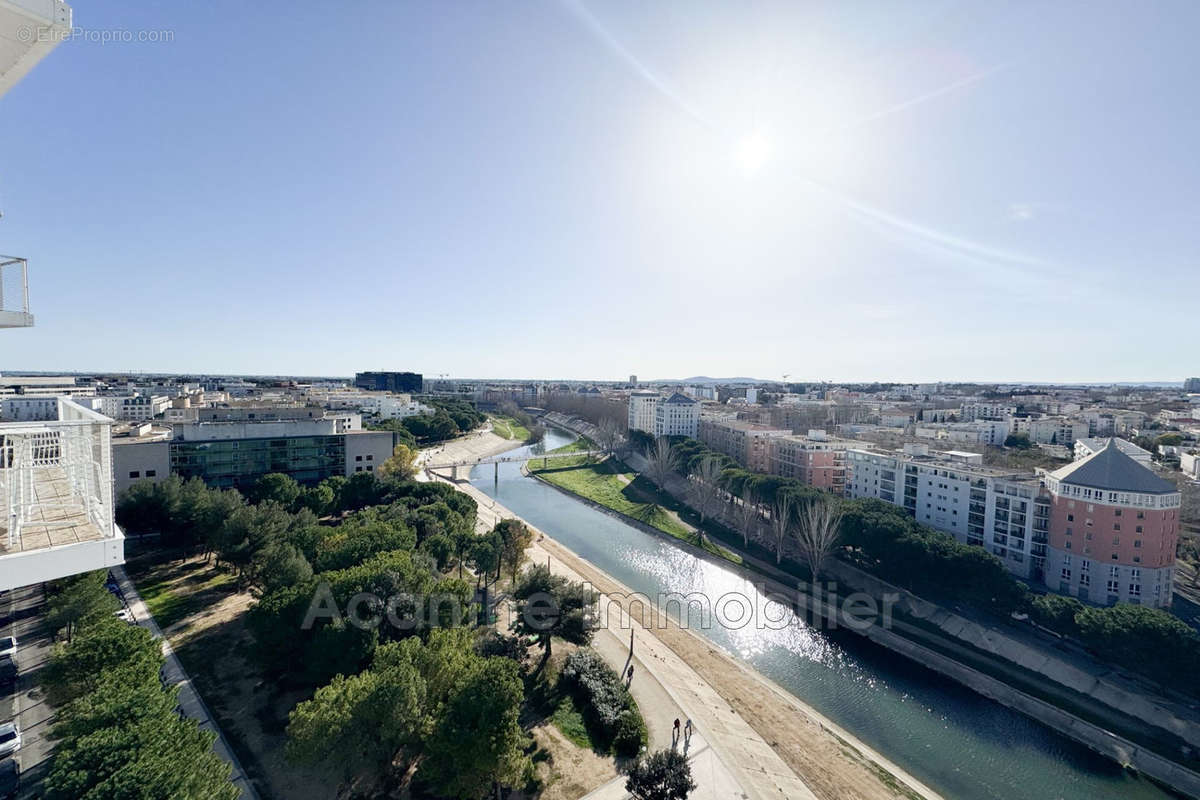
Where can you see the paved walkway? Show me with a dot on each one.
(174, 675)
(736, 762)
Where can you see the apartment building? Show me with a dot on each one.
(134, 407)
(1192, 385)
(1113, 530)
(986, 410)
(951, 491)
(1189, 463)
(748, 443)
(642, 407)
(815, 459)
(1059, 430)
(677, 415)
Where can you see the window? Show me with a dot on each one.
(1116, 526)
(358, 458)
(1117, 513)
(150, 473)
(1066, 574)
(1070, 517)
(1112, 587)
(1139, 529)
(1116, 540)
(135, 474)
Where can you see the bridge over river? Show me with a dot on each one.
(508, 458)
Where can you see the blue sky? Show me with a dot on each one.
(839, 191)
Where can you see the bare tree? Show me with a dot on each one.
(747, 514)
(608, 434)
(705, 489)
(817, 535)
(661, 458)
(782, 514)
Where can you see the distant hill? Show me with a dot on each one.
(704, 380)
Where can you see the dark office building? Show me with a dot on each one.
(406, 382)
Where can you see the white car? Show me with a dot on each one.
(10, 738)
(8, 646)
(125, 615)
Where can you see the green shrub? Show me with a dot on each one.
(608, 707)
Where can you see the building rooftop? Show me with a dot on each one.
(680, 399)
(1124, 445)
(1111, 469)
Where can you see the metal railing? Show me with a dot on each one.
(73, 452)
(14, 293)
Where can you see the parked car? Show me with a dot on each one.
(10, 778)
(10, 738)
(124, 614)
(8, 646)
(8, 670)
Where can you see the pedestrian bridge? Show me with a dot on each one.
(509, 459)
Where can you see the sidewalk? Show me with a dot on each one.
(174, 675)
(739, 764)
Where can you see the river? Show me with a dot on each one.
(957, 742)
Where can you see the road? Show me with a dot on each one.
(22, 610)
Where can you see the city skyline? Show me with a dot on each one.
(864, 193)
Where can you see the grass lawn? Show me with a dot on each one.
(172, 594)
(616, 487)
(509, 428)
(569, 720)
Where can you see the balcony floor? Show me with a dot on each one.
(66, 523)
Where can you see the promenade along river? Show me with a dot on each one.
(954, 740)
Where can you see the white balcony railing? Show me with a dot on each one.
(14, 293)
(56, 493)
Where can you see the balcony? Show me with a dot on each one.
(56, 495)
(29, 30)
(14, 293)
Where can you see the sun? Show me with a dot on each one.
(753, 151)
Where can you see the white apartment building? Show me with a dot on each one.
(986, 410)
(1190, 464)
(135, 407)
(642, 411)
(995, 509)
(677, 415)
(1056, 430)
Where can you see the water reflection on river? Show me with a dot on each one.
(957, 742)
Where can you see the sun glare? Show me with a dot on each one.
(753, 151)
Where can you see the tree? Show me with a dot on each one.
(318, 499)
(279, 564)
(160, 756)
(516, 538)
(401, 464)
(747, 513)
(78, 601)
(478, 741)
(78, 667)
(277, 487)
(484, 553)
(665, 775)
(550, 605)
(782, 513)
(608, 435)
(820, 526)
(705, 489)
(1018, 440)
(660, 462)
